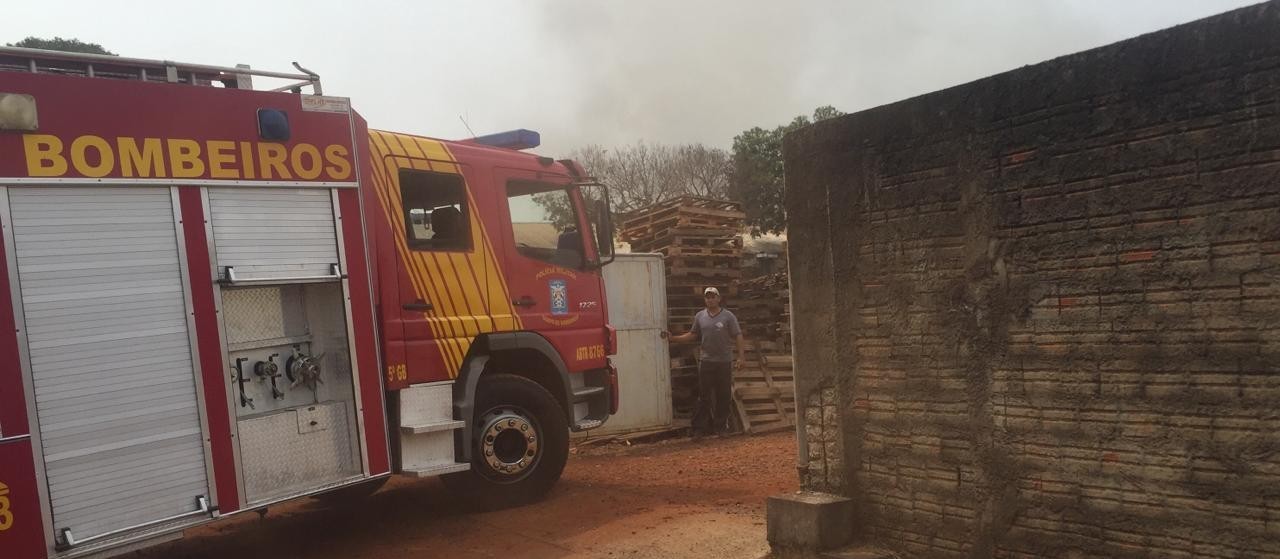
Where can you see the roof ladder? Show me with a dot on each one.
(141, 69)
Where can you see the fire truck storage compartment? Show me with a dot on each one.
(100, 273)
(285, 326)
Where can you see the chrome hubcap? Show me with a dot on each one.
(509, 442)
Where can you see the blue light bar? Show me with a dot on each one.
(273, 125)
(511, 139)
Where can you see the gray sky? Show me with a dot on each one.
(604, 72)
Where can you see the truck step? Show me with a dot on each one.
(584, 424)
(586, 393)
(432, 470)
(432, 426)
(426, 403)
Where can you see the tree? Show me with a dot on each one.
(642, 174)
(757, 175)
(557, 208)
(58, 43)
(704, 171)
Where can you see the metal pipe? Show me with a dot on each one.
(294, 86)
(802, 442)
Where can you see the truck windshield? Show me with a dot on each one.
(544, 223)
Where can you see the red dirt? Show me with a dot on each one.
(665, 500)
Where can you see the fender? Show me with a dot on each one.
(464, 387)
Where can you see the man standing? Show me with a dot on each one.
(717, 330)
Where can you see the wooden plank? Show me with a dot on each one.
(779, 361)
(722, 274)
(774, 428)
(746, 392)
(750, 383)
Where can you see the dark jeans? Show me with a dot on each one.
(715, 381)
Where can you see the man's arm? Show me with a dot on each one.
(680, 338)
(690, 336)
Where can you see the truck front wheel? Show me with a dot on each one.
(520, 443)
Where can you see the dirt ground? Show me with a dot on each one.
(670, 499)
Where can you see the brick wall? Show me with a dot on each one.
(1038, 315)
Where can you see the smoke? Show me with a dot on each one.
(607, 72)
(681, 72)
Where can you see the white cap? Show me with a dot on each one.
(711, 290)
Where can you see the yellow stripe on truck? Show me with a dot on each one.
(458, 284)
(395, 216)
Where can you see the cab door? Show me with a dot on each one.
(553, 287)
(442, 293)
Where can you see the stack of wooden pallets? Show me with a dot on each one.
(702, 242)
(763, 307)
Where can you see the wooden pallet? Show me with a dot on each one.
(695, 290)
(686, 201)
(764, 392)
(708, 225)
(682, 316)
(711, 276)
(687, 214)
(682, 282)
(682, 225)
(686, 205)
(727, 261)
(702, 252)
(681, 239)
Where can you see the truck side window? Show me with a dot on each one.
(435, 211)
(544, 223)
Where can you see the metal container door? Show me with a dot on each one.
(636, 288)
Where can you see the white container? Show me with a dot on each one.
(636, 288)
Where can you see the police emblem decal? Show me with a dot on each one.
(559, 297)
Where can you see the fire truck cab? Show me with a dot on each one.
(214, 298)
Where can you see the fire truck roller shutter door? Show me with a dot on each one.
(111, 359)
(274, 232)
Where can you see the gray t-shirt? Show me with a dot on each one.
(717, 334)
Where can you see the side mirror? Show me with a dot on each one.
(595, 204)
(604, 230)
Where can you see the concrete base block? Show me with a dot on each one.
(809, 521)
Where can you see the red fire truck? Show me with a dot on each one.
(215, 298)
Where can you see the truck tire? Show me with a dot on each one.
(520, 443)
